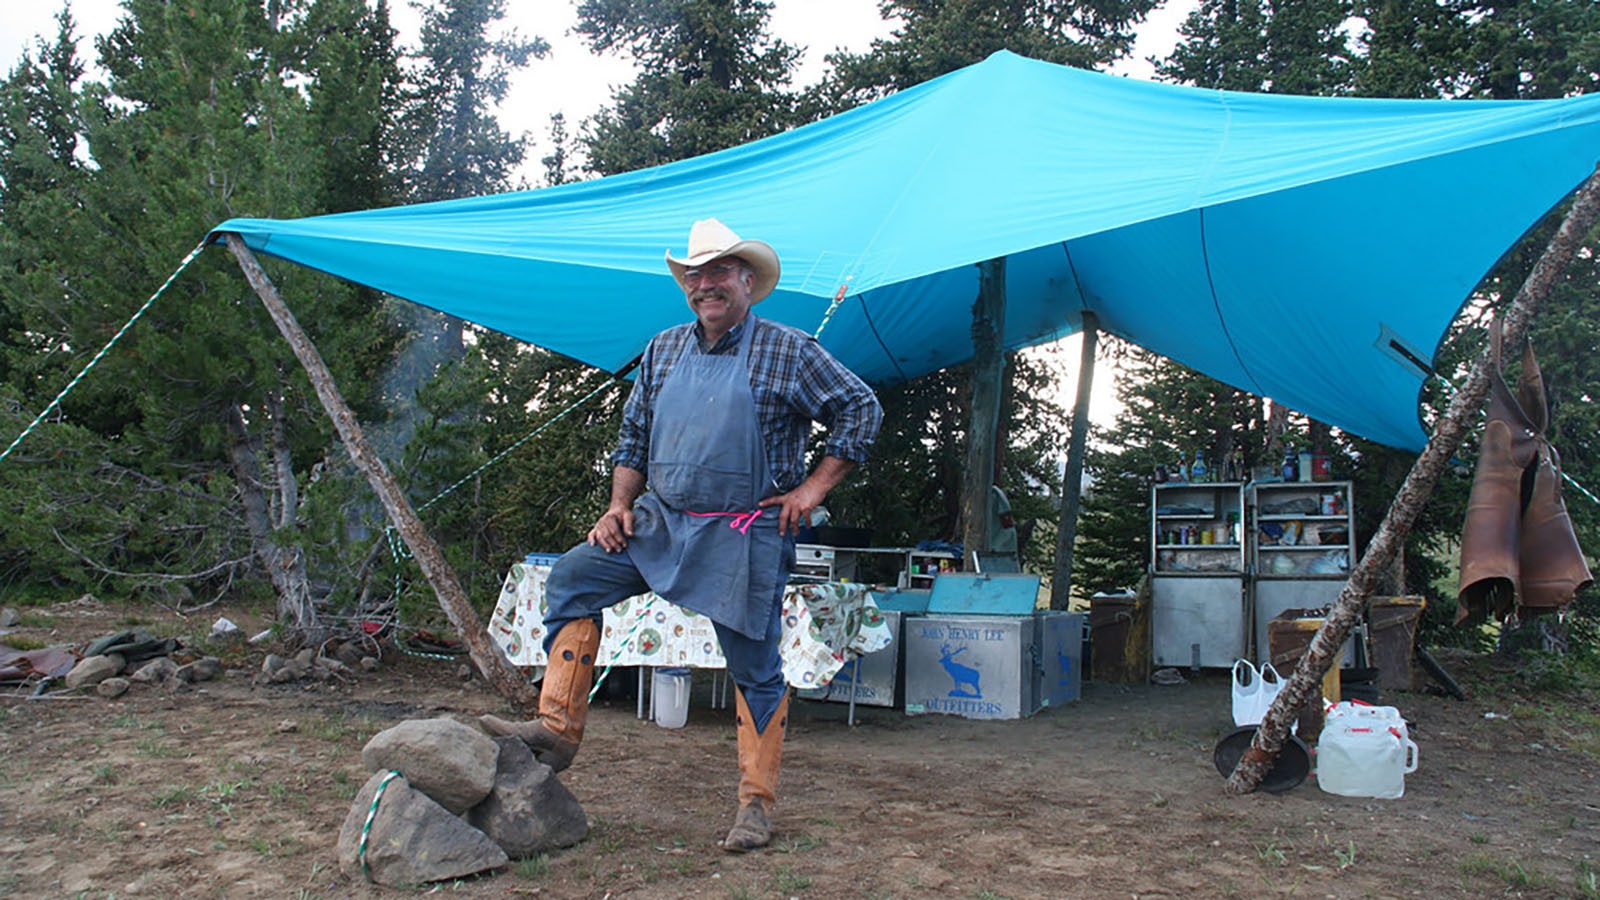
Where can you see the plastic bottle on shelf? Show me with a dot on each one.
(1291, 465)
(1197, 472)
(1303, 468)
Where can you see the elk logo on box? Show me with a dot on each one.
(964, 676)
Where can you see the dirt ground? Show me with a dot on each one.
(234, 790)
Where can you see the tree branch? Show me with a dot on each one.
(1386, 543)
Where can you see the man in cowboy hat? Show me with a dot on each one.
(716, 427)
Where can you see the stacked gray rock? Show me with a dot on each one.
(101, 672)
(307, 664)
(464, 803)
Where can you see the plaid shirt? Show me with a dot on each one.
(795, 382)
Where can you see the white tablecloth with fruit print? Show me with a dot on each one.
(824, 626)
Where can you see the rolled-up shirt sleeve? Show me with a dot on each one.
(838, 399)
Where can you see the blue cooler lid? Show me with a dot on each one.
(975, 593)
(901, 600)
(541, 559)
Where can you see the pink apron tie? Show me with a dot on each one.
(741, 520)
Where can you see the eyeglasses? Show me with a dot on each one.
(713, 272)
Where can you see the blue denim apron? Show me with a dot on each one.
(698, 538)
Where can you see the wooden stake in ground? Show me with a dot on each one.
(430, 558)
(1424, 474)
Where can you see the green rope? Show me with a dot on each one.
(1585, 491)
(400, 552)
(644, 613)
(104, 350)
(366, 827)
(508, 451)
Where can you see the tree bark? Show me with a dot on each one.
(1419, 483)
(429, 556)
(286, 499)
(1072, 479)
(285, 563)
(988, 367)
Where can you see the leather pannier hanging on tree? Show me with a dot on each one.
(1518, 550)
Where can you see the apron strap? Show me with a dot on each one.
(741, 520)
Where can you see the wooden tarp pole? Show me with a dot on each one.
(430, 558)
(1072, 480)
(988, 371)
(1385, 544)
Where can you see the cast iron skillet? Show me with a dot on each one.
(1288, 770)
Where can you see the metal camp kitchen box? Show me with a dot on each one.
(1060, 657)
(881, 677)
(876, 680)
(982, 652)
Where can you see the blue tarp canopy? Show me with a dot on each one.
(1312, 250)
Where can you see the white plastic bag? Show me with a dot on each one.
(1271, 685)
(1246, 691)
(1253, 691)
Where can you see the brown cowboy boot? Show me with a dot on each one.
(759, 754)
(563, 698)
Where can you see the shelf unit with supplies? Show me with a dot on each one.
(1302, 545)
(923, 566)
(1302, 529)
(901, 567)
(1199, 606)
(1196, 529)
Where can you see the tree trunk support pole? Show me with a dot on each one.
(1419, 483)
(988, 370)
(1072, 479)
(429, 556)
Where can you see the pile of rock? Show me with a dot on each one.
(114, 663)
(338, 665)
(454, 802)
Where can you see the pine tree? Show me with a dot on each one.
(710, 78)
(205, 430)
(1265, 47)
(940, 36)
(1421, 49)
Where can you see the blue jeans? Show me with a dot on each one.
(587, 580)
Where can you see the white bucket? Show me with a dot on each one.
(669, 694)
(1364, 751)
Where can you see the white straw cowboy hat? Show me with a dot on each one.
(711, 240)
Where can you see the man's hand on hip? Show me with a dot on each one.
(796, 506)
(611, 533)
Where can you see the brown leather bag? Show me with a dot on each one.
(1518, 550)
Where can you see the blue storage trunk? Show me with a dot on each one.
(1060, 657)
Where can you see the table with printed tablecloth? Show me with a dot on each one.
(824, 627)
